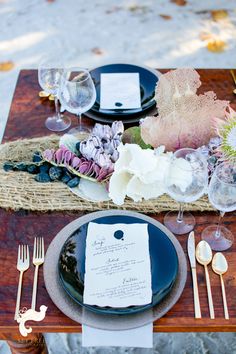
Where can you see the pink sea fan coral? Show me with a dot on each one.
(185, 118)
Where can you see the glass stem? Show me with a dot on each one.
(180, 216)
(217, 234)
(80, 122)
(58, 114)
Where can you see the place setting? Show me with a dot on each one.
(129, 286)
(114, 92)
(108, 270)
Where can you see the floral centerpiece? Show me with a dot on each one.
(134, 163)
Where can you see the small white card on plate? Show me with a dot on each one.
(117, 265)
(120, 91)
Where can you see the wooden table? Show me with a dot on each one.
(26, 119)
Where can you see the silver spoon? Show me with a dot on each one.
(220, 267)
(204, 257)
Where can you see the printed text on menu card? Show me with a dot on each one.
(117, 266)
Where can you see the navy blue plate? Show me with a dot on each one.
(164, 264)
(148, 81)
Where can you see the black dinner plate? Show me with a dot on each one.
(148, 81)
(163, 256)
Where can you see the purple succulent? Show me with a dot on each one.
(64, 157)
(99, 152)
(104, 132)
(103, 160)
(91, 147)
(48, 154)
(101, 146)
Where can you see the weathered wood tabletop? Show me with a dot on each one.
(26, 119)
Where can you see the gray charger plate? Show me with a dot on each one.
(107, 322)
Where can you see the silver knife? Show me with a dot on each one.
(192, 259)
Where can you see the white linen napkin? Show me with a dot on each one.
(118, 274)
(141, 337)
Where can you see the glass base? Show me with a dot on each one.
(218, 243)
(80, 132)
(57, 125)
(179, 228)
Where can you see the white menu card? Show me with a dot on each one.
(117, 265)
(120, 91)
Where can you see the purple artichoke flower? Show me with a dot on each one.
(90, 147)
(104, 132)
(101, 146)
(115, 156)
(117, 129)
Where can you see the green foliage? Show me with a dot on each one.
(228, 135)
(133, 136)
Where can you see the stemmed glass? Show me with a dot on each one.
(222, 195)
(50, 77)
(77, 95)
(186, 182)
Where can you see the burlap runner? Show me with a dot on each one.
(19, 190)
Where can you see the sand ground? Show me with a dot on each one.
(95, 32)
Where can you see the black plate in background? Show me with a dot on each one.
(148, 81)
(164, 264)
(135, 118)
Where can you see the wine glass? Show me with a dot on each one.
(50, 77)
(186, 182)
(222, 195)
(77, 95)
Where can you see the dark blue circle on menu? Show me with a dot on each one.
(163, 256)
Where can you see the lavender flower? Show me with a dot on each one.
(101, 146)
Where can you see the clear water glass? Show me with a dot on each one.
(186, 182)
(77, 95)
(50, 77)
(222, 195)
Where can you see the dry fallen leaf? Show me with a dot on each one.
(6, 65)
(97, 51)
(216, 45)
(179, 2)
(113, 9)
(219, 14)
(166, 17)
(205, 36)
(137, 8)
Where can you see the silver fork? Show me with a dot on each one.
(38, 259)
(22, 266)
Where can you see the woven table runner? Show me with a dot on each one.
(19, 190)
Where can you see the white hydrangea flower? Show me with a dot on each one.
(143, 173)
